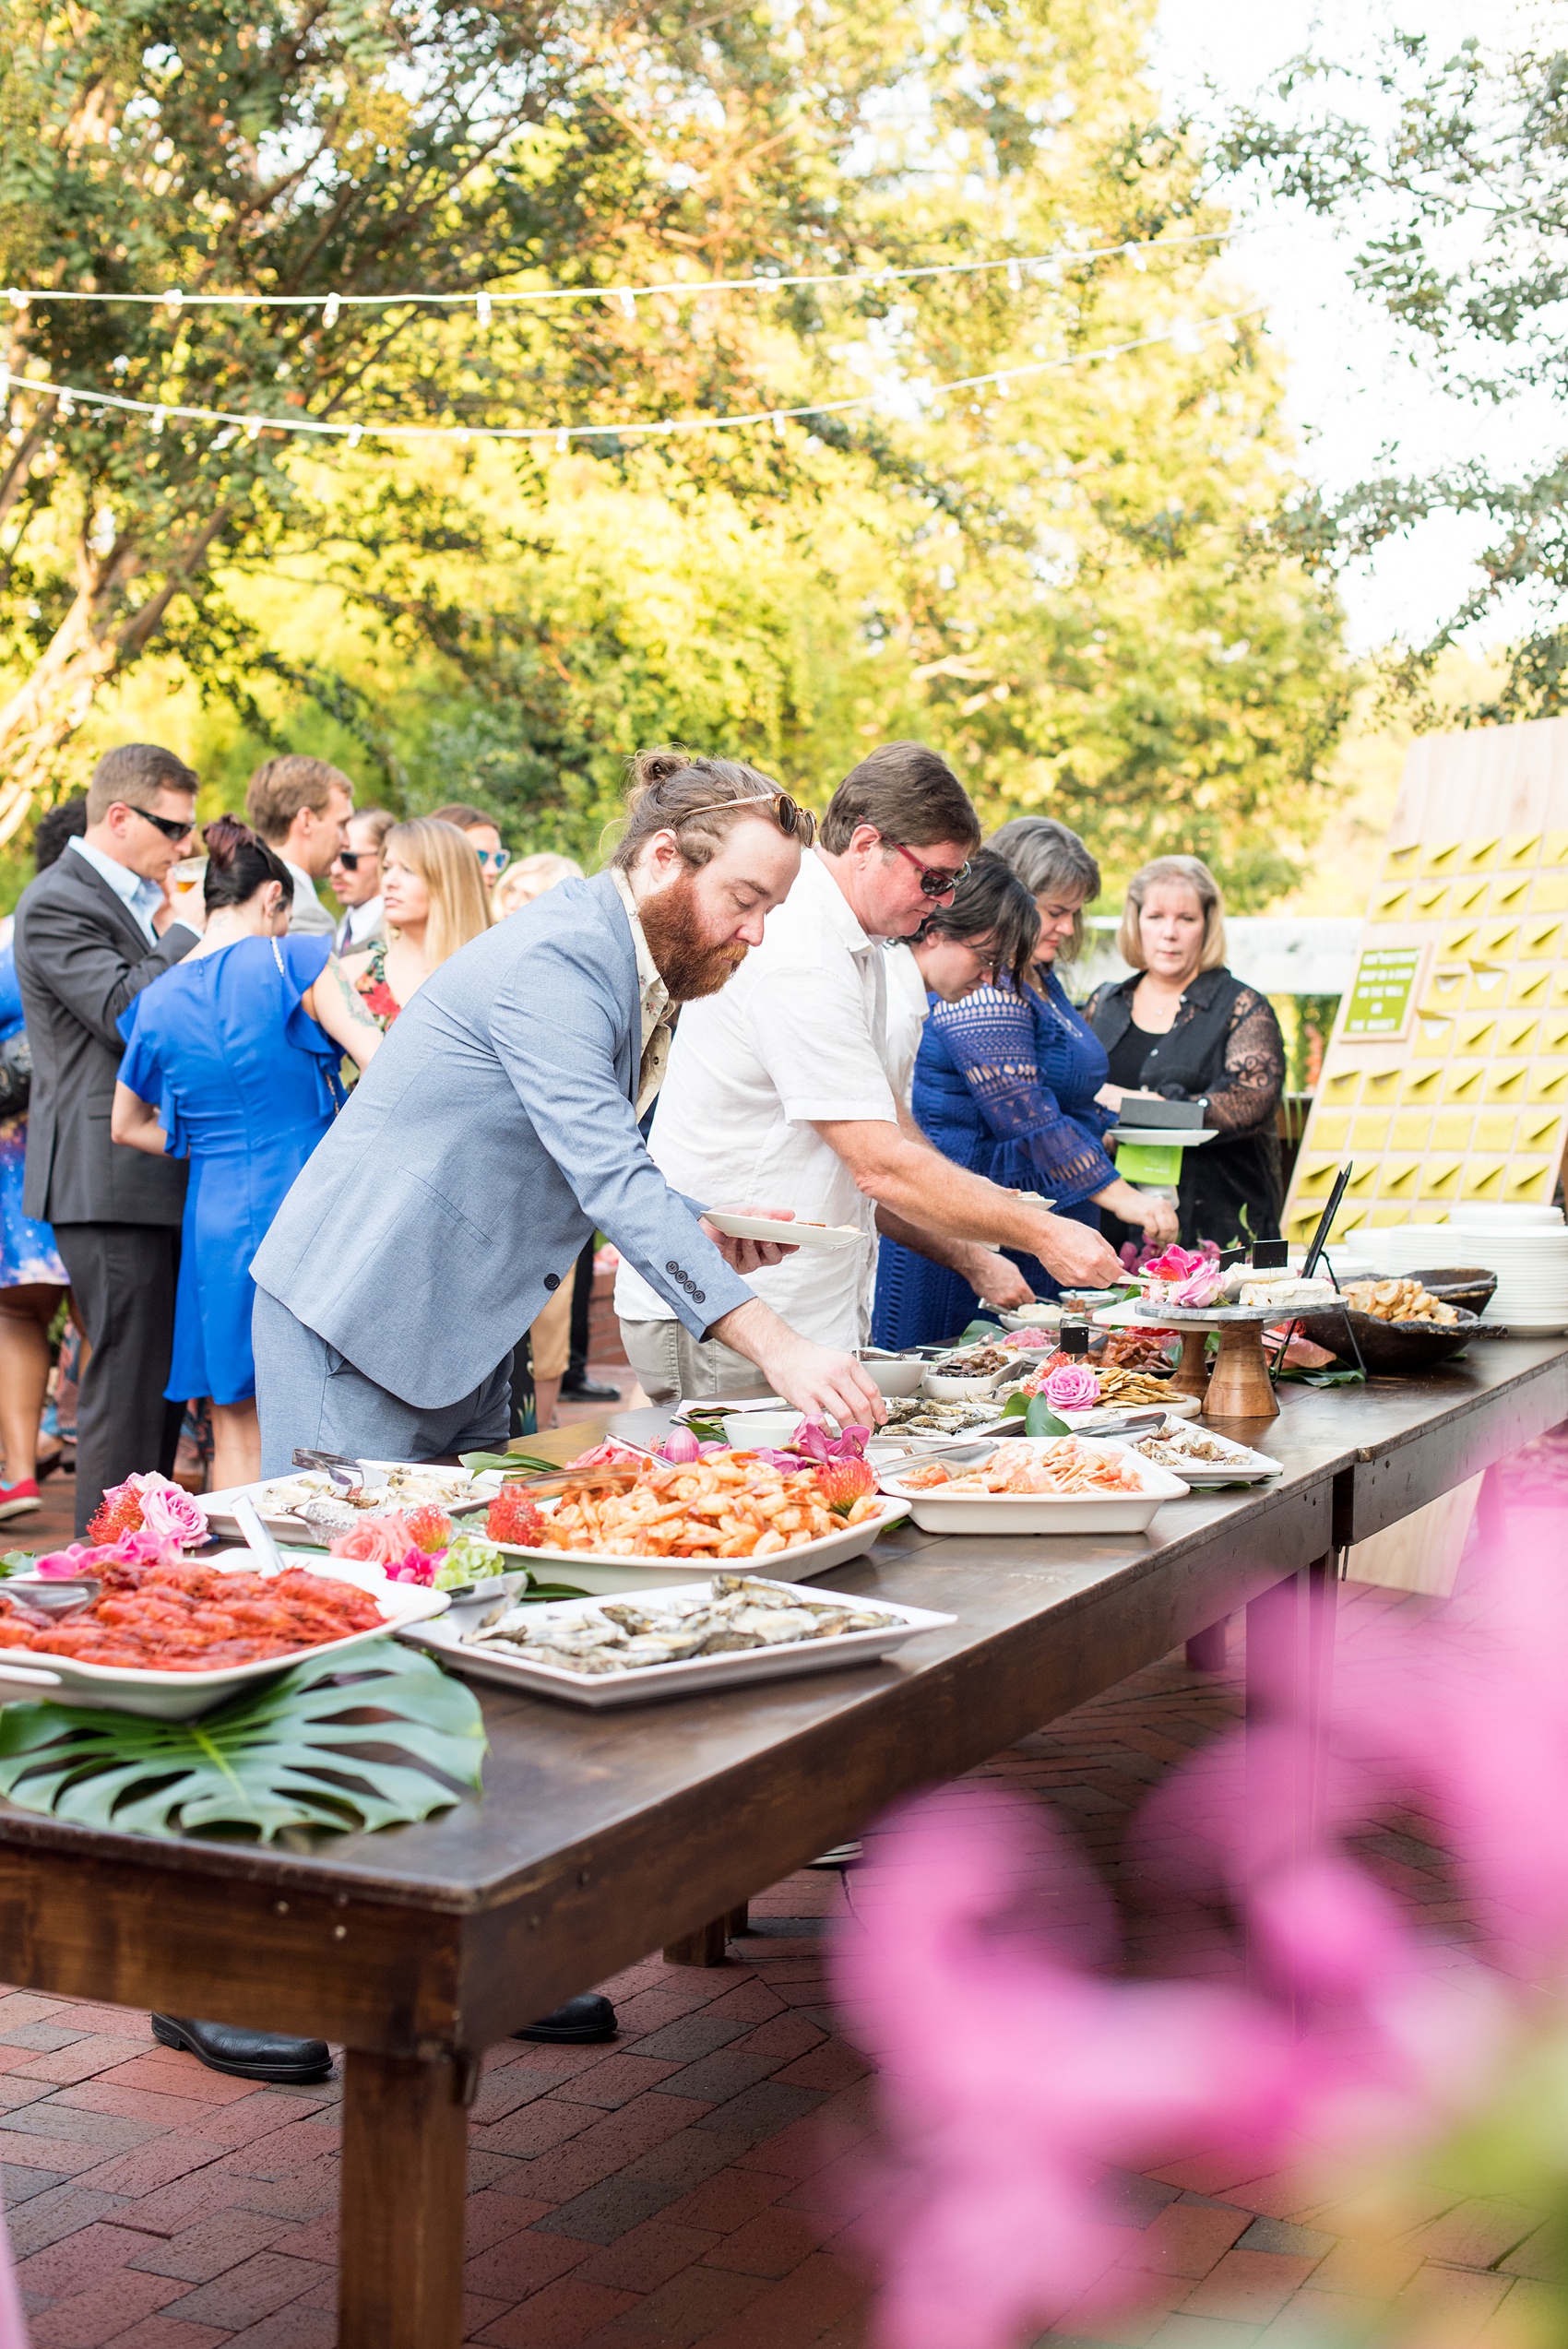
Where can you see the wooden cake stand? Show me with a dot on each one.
(1238, 1386)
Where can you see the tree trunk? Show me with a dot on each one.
(96, 634)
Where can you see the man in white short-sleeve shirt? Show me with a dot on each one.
(781, 1087)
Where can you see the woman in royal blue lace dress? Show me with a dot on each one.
(1005, 1083)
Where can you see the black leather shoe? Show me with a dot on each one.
(246, 2055)
(581, 2022)
(579, 1388)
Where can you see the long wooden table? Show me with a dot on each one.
(599, 1837)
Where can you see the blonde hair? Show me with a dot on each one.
(537, 875)
(1196, 875)
(446, 862)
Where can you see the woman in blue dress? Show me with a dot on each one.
(1005, 1083)
(231, 1059)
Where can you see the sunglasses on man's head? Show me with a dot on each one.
(935, 881)
(795, 822)
(169, 826)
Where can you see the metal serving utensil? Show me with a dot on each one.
(347, 1474)
(258, 1541)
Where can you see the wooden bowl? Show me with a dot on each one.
(1469, 1285)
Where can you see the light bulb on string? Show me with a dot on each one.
(777, 428)
(1014, 278)
(329, 310)
(481, 309)
(628, 302)
(562, 441)
(356, 434)
(157, 421)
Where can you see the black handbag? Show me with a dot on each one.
(16, 1073)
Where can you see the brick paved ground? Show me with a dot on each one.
(696, 2184)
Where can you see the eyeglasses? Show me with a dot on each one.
(935, 881)
(170, 826)
(352, 859)
(494, 861)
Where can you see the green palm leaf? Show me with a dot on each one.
(372, 1740)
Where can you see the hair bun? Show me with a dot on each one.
(650, 768)
(224, 837)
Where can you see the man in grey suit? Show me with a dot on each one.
(497, 1129)
(91, 933)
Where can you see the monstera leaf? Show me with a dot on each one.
(375, 1740)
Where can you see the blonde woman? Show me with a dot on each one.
(1184, 1027)
(528, 879)
(432, 902)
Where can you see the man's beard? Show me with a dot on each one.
(689, 963)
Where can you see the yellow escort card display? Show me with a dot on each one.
(1446, 1081)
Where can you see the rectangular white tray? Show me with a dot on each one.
(180, 1696)
(697, 1675)
(219, 1507)
(1241, 1467)
(596, 1571)
(1043, 1512)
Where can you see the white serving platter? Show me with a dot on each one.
(180, 1696)
(786, 1235)
(599, 1574)
(1042, 1513)
(1241, 1466)
(219, 1507)
(1162, 1137)
(698, 1674)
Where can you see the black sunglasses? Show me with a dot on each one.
(935, 881)
(352, 859)
(795, 822)
(170, 826)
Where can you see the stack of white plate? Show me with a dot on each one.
(1525, 1247)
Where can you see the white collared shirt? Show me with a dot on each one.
(799, 1034)
(357, 924)
(140, 897)
(654, 999)
(908, 1008)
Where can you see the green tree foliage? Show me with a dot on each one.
(1070, 588)
(1450, 171)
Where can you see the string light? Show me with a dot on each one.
(1184, 333)
(330, 309)
(627, 296)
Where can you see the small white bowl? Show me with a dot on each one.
(897, 1374)
(961, 1390)
(747, 1430)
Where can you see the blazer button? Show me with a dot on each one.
(699, 1296)
(553, 1280)
(671, 1266)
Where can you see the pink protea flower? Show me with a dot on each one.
(168, 1510)
(387, 1542)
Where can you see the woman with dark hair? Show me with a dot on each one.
(233, 1064)
(1006, 1075)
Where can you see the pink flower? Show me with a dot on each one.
(169, 1511)
(385, 1542)
(1176, 1264)
(87, 1558)
(811, 1441)
(1074, 1387)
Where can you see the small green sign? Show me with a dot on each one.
(1150, 1161)
(1380, 999)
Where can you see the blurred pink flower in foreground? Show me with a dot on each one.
(1012, 2076)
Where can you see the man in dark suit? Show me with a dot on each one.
(91, 933)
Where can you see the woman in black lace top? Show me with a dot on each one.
(1185, 1029)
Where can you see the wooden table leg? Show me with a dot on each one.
(405, 2161)
(1290, 1677)
(1206, 1650)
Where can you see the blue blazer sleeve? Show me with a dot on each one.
(558, 1047)
(990, 1036)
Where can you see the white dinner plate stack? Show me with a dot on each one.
(1525, 1247)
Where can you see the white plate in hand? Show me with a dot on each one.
(698, 1674)
(180, 1696)
(786, 1235)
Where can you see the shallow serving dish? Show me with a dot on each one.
(1041, 1513)
(1239, 1465)
(1390, 1346)
(180, 1696)
(897, 1374)
(219, 1507)
(698, 1674)
(597, 1573)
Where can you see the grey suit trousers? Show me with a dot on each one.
(309, 1395)
(123, 1278)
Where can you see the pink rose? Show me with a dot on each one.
(168, 1511)
(1199, 1289)
(1072, 1388)
(385, 1542)
(139, 1549)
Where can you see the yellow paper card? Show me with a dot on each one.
(1548, 893)
(1330, 1130)
(1531, 983)
(1451, 1129)
(1440, 1179)
(1465, 1081)
(1428, 899)
(1461, 941)
(1469, 897)
(1389, 901)
(1530, 1178)
(1406, 860)
(1316, 1174)
(1494, 1131)
(1399, 1177)
(1444, 856)
(1520, 847)
(1475, 1032)
(1481, 851)
(1433, 1038)
(1369, 1130)
(1506, 1082)
(1383, 1085)
(1344, 1084)
(1363, 1180)
(1554, 848)
(1509, 897)
(1489, 984)
(1537, 1128)
(1422, 1085)
(1483, 1179)
(1548, 1081)
(1517, 1032)
(1499, 938)
(1412, 1130)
